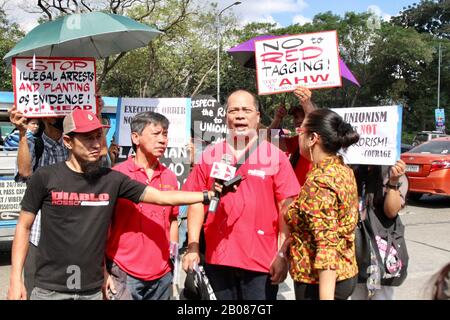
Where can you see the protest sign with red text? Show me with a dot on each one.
(47, 87)
(310, 60)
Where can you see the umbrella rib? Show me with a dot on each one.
(95, 47)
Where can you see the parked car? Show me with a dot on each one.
(425, 136)
(405, 147)
(428, 168)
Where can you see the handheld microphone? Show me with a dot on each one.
(221, 171)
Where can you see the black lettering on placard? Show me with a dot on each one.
(127, 120)
(138, 109)
(377, 153)
(11, 194)
(368, 116)
(372, 142)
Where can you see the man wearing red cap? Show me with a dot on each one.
(76, 199)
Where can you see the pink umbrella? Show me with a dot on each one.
(244, 53)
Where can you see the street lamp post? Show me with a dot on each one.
(439, 78)
(218, 46)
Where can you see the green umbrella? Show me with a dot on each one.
(94, 34)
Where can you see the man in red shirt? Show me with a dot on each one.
(290, 143)
(138, 245)
(245, 236)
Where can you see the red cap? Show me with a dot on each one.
(81, 121)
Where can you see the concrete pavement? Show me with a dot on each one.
(427, 236)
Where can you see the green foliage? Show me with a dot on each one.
(178, 63)
(10, 33)
(428, 16)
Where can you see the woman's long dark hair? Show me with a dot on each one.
(335, 132)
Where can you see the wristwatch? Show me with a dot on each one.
(281, 254)
(393, 186)
(206, 199)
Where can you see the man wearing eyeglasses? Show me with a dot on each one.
(245, 237)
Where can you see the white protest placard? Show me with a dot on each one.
(310, 60)
(380, 130)
(11, 194)
(177, 110)
(48, 87)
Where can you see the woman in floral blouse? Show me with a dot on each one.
(323, 218)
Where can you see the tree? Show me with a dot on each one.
(145, 9)
(179, 63)
(401, 73)
(10, 33)
(428, 16)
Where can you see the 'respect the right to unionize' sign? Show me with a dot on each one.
(380, 131)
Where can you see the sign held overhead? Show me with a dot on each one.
(48, 87)
(310, 60)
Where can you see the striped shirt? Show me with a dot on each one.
(54, 152)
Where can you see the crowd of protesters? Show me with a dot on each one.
(295, 209)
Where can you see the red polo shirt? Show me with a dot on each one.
(139, 235)
(243, 232)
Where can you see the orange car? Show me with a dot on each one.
(428, 168)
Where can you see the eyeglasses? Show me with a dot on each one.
(300, 130)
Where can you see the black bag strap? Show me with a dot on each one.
(384, 233)
(247, 154)
(241, 161)
(391, 235)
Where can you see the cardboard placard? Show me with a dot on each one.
(48, 87)
(177, 110)
(310, 60)
(380, 131)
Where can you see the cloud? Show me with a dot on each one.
(263, 18)
(16, 13)
(376, 10)
(265, 7)
(264, 10)
(301, 20)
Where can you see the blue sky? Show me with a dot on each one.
(282, 12)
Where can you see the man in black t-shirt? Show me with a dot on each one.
(76, 199)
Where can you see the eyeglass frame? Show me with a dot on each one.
(300, 130)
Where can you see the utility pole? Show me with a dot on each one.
(218, 36)
(439, 78)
